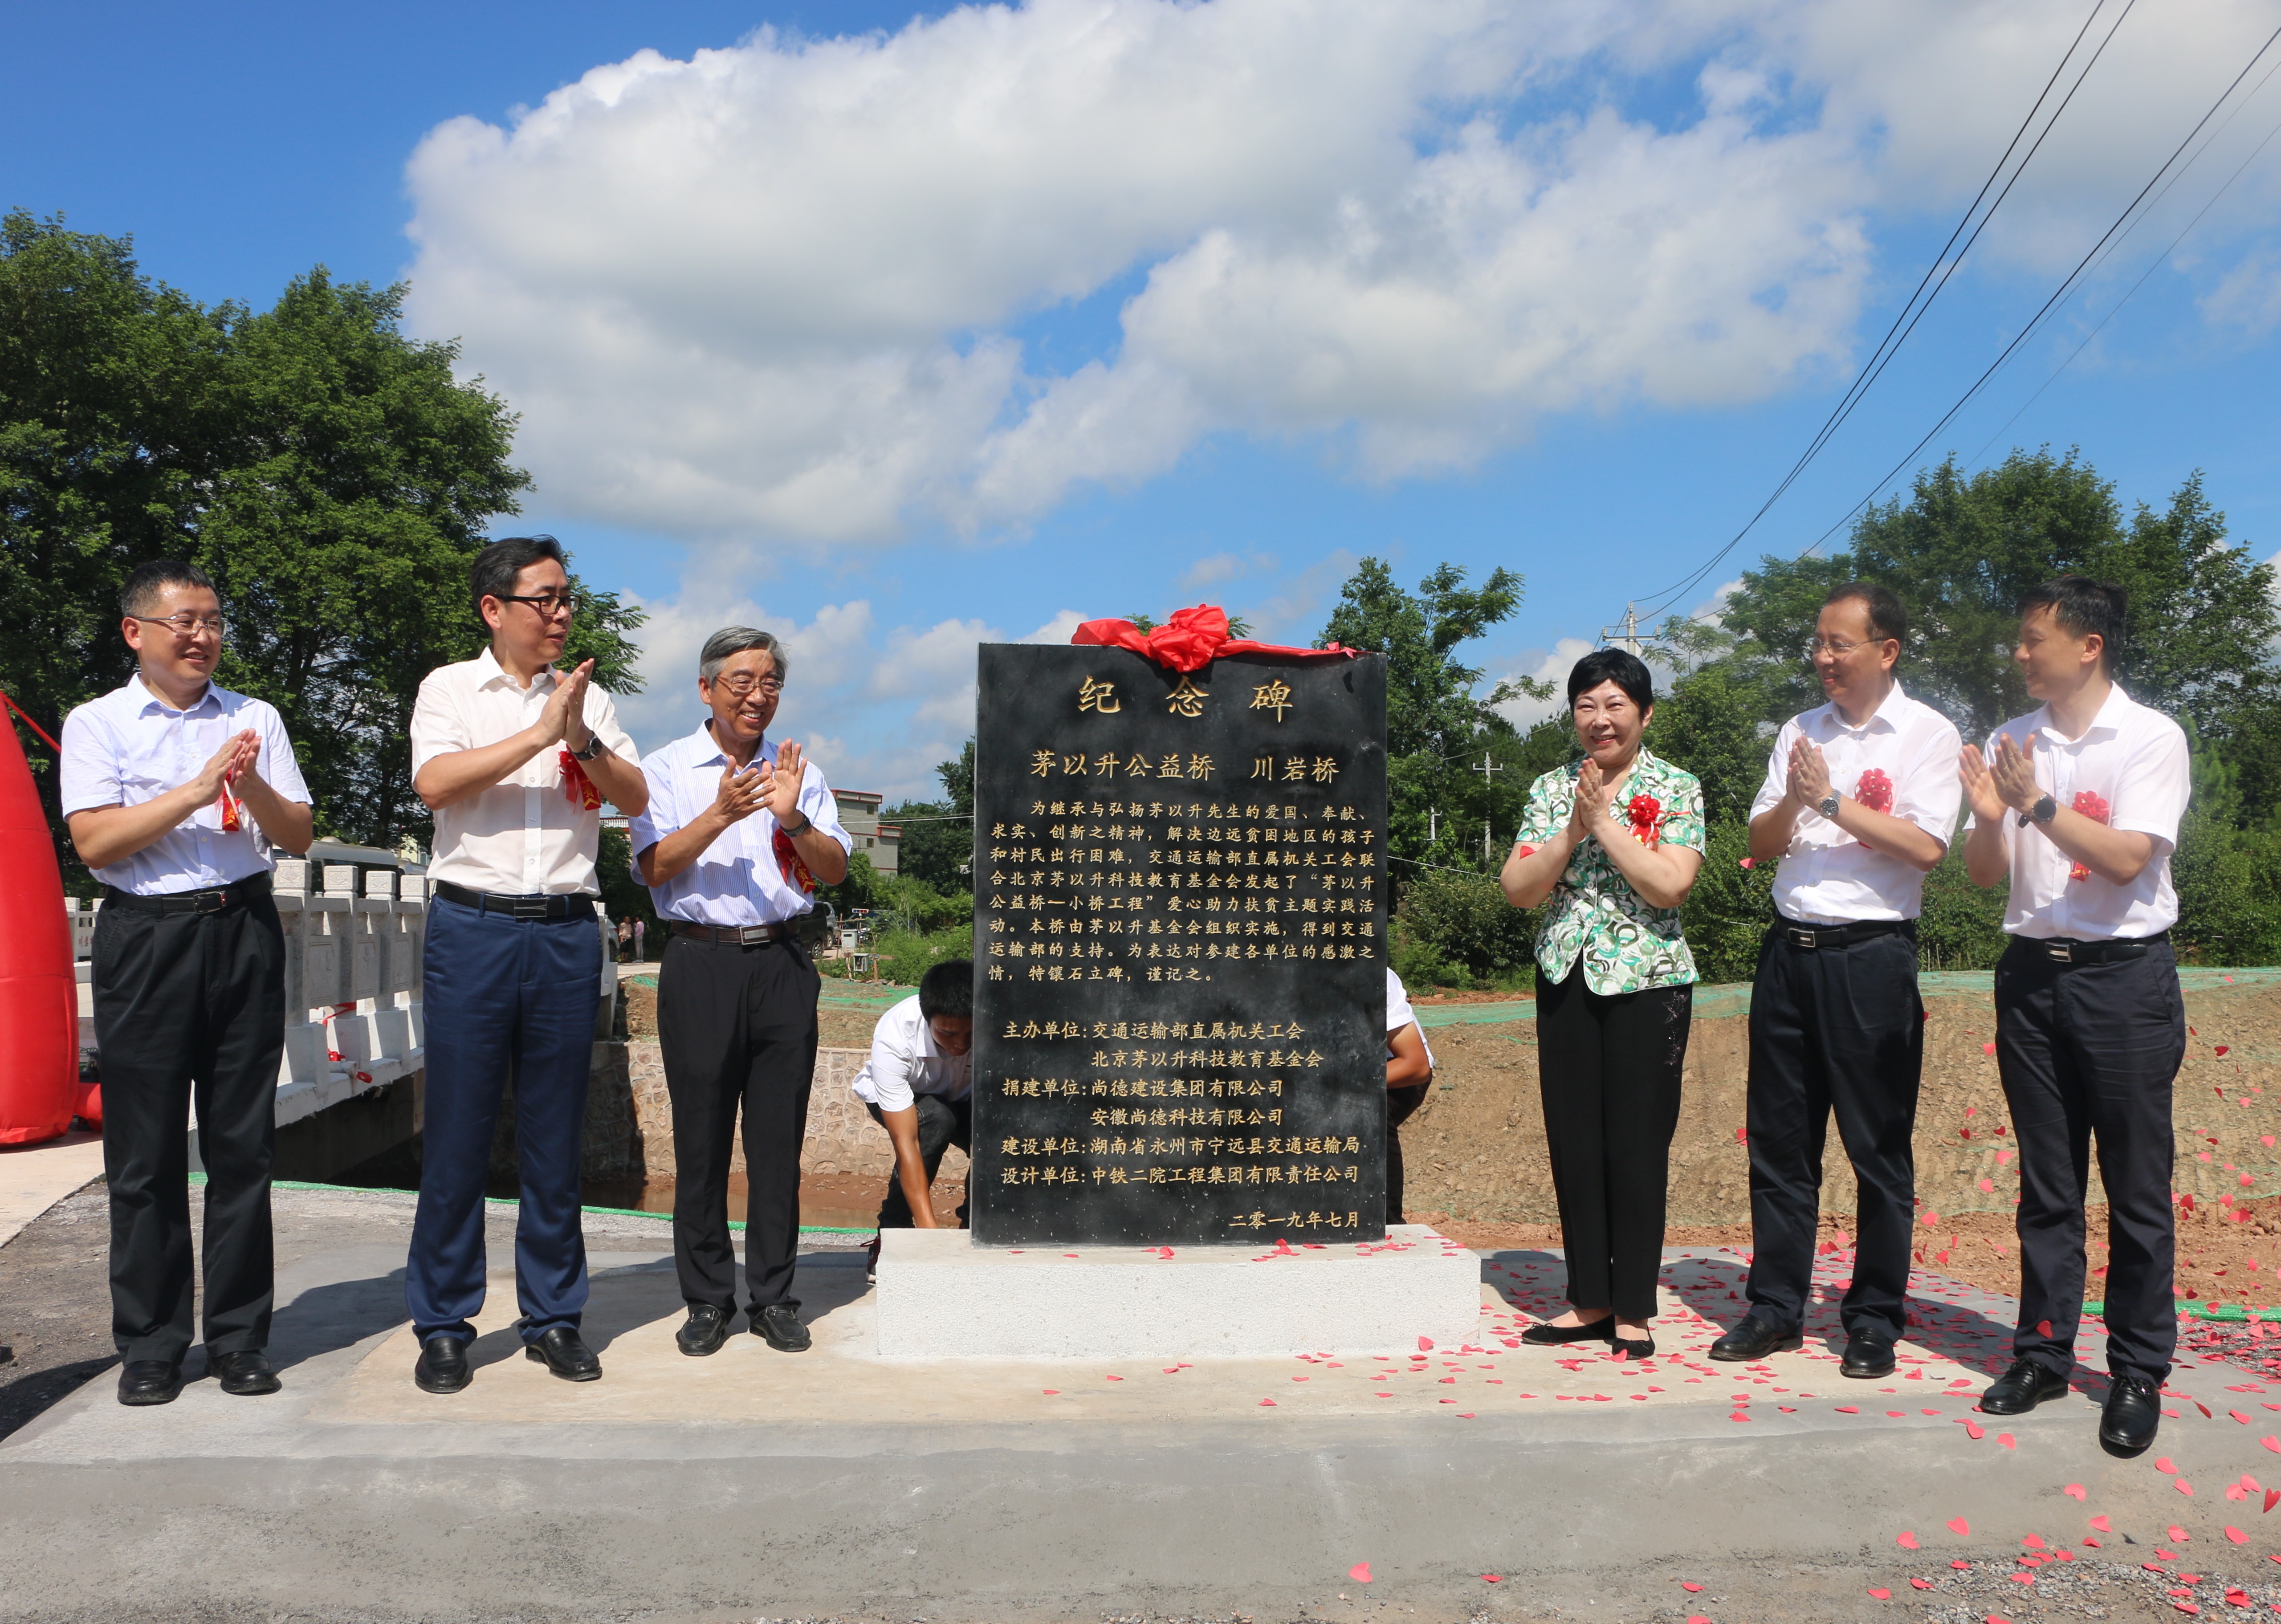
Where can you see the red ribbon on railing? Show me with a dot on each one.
(1191, 639)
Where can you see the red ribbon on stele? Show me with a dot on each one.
(1190, 639)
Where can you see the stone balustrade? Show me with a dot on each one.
(353, 942)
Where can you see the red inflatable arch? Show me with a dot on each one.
(39, 995)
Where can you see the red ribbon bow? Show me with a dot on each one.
(577, 788)
(1875, 790)
(2092, 806)
(1647, 817)
(1189, 641)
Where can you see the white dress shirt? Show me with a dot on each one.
(1399, 1014)
(130, 746)
(522, 836)
(905, 1062)
(1827, 876)
(736, 880)
(2136, 761)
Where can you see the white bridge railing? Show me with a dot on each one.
(353, 942)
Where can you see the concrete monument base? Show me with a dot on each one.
(940, 1296)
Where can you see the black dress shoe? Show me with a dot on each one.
(1549, 1335)
(2023, 1388)
(704, 1331)
(2134, 1409)
(1634, 1347)
(561, 1352)
(779, 1325)
(443, 1367)
(245, 1375)
(1867, 1357)
(149, 1381)
(1753, 1340)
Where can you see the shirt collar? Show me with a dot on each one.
(489, 671)
(208, 701)
(706, 750)
(2113, 711)
(1888, 711)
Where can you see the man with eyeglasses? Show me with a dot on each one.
(1860, 800)
(175, 790)
(739, 833)
(2078, 805)
(515, 757)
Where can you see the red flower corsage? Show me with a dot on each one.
(2092, 806)
(579, 790)
(1647, 818)
(1875, 790)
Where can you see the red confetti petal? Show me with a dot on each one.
(1883, 1595)
(2236, 1535)
(1959, 1527)
(2100, 1522)
(1988, 1049)
(1907, 1541)
(1690, 1586)
(1492, 1578)
(2165, 1465)
(2006, 1441)
(1359, 1573)
(2076, 1489)
(1922, 1584)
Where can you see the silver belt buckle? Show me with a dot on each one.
(1805, 939)
(752, 935)
(2064, 952)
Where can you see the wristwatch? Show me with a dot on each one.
(1828, 806)
(2044, 810)
(805, 824)
(594, 749)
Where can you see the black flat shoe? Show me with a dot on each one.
(245, 1375)
(561, 1352)
(149, 1381)
(705, 1331)
(2132, 1413)
(1753, 1340)
(1633, 1348)
(778, 1325)
(1549, 1336)
(443, 1367)
(1867, 1357)
(2023, 1388)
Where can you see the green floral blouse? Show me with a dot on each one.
(1627, 944)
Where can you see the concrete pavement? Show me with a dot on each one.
(835, 1483)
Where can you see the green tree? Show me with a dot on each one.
(331, 474)
(937, 849)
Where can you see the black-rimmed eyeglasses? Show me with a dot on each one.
(548, 604)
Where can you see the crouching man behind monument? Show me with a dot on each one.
(919, 1086)
(737, 834)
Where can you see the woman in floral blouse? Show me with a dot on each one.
(1615, 845)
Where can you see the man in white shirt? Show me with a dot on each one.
(2077, 804)
(514, 758)
(919, 1086)
(1859, 803)
(174, 789)
(1409, 1073)
(737, 834)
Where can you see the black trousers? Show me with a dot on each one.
(190, 1008)
(942, 1123)
(1401, 1105)
(1833, 1028)
(2085, 1050)
(1609, 1068)
(736, 1026)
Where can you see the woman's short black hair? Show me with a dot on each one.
(1619, 666)
(948, 990)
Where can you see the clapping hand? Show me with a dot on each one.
(2013, 770)
(240, 753)
(1589, 807)
(1982, 786)
(741, 793)
(780, 784)
(1809, 773)
(565, 716)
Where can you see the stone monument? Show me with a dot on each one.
(1181, 902)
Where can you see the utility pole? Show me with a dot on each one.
(1625, 633)
(1488, 770)
(1432, 824)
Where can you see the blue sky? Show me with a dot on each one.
(982, 322)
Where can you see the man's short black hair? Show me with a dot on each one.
(143, 587)
(1619, 666)
(1887, 618)
(948, 990)
(498, 565)
(2082, 606)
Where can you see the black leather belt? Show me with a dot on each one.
(2064, 950)
(1841, 935)
(540, 905)
(731, 935)
(236, 893)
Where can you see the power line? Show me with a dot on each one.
(1927, 289)
(2036, 323)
